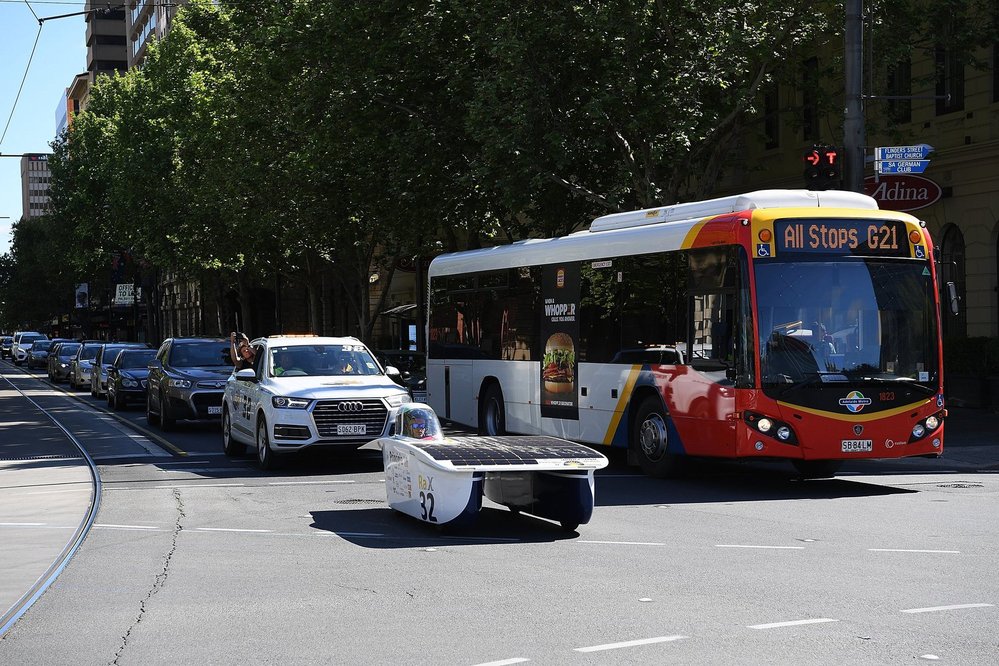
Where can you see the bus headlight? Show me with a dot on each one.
(767, 425)
(932, 422)
(918, 430)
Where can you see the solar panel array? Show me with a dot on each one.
(505, 450)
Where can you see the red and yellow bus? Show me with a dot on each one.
(780, 324)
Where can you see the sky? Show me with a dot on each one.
(60, 55)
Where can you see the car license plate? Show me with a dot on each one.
(215, 410)
(351, 429)
(856, 445)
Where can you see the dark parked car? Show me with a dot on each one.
(412, 367)
(127, 377)
(6, 342)
(187, 379)
(60, 356)
(105, 357)
(38, 354)
(83, 363)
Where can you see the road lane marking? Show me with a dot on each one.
(229, 529)
(627, 644)
(22, 524)
(308, 483)
(736, 545)
(196, 485)
(907, 550)
(623, 543)
(504, 662)
(128, 527)
(933, 609)
(790, 623)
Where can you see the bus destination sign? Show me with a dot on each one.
(861, 237)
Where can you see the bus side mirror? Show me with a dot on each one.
(954, 300)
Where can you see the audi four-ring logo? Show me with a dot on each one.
(348, 406)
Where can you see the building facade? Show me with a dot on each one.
(145, 20)
(934, 100)
(106, 49)
(35, 181)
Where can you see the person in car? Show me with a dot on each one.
(419, 424)
(284, 362)
(240, 351)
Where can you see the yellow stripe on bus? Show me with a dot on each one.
(622, 400)
(688, 240)
(862, 418)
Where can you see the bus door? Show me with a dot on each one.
(701, 399)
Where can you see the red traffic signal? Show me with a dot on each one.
(822, 170)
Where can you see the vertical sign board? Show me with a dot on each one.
(560, 332)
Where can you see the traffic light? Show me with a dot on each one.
(822, 168)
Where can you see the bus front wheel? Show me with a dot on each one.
(492, 416)
(650, 440)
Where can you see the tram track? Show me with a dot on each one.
(43, 582)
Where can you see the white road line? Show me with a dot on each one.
(933, 609)
(204, 470)
(907, 550)
(128, 527)
(626, 644)
(57, 492)
(735, 545)
(198, 485)
(229, 529)
(184, 462)
(308, 483)
(22, 524)
(505, 662)
(791, 623)
(623, 543)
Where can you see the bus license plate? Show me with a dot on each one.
(215, 410)
(855, 445)
(352, 429)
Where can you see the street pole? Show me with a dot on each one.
(853, 121)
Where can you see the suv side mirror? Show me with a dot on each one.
(392, 371)
(246, 374)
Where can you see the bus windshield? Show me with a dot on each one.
(861, 321)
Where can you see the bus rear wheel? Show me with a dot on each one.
(650, 440)
(817, 469)
(492, 415)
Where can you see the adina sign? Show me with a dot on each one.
(903, 192)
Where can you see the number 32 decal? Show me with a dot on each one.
(427, 505)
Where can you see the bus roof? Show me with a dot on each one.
(640, 232)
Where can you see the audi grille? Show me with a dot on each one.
(328, 414)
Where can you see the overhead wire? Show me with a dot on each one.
(23, 79)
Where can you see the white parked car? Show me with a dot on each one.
(307, 391)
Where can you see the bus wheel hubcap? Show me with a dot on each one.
(652, 437)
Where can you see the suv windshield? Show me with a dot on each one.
(322, 361)
(855, 320)
(68, 349)
(89, 352)
(199, 354)
(41, 345)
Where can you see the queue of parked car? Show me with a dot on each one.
(302, 391)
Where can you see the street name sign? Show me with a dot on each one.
(901, 166)
(894, 153)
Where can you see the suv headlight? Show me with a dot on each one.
(180, 383)
(281, 402)
(129, 383)
(396, 400)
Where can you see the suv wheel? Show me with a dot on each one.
(229, 446)
(266, 459)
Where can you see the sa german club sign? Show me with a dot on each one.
(903, 192)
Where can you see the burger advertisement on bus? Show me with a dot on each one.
(560, 330)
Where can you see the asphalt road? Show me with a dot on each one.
(199, 559)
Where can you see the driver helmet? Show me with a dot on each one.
(418, 421)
